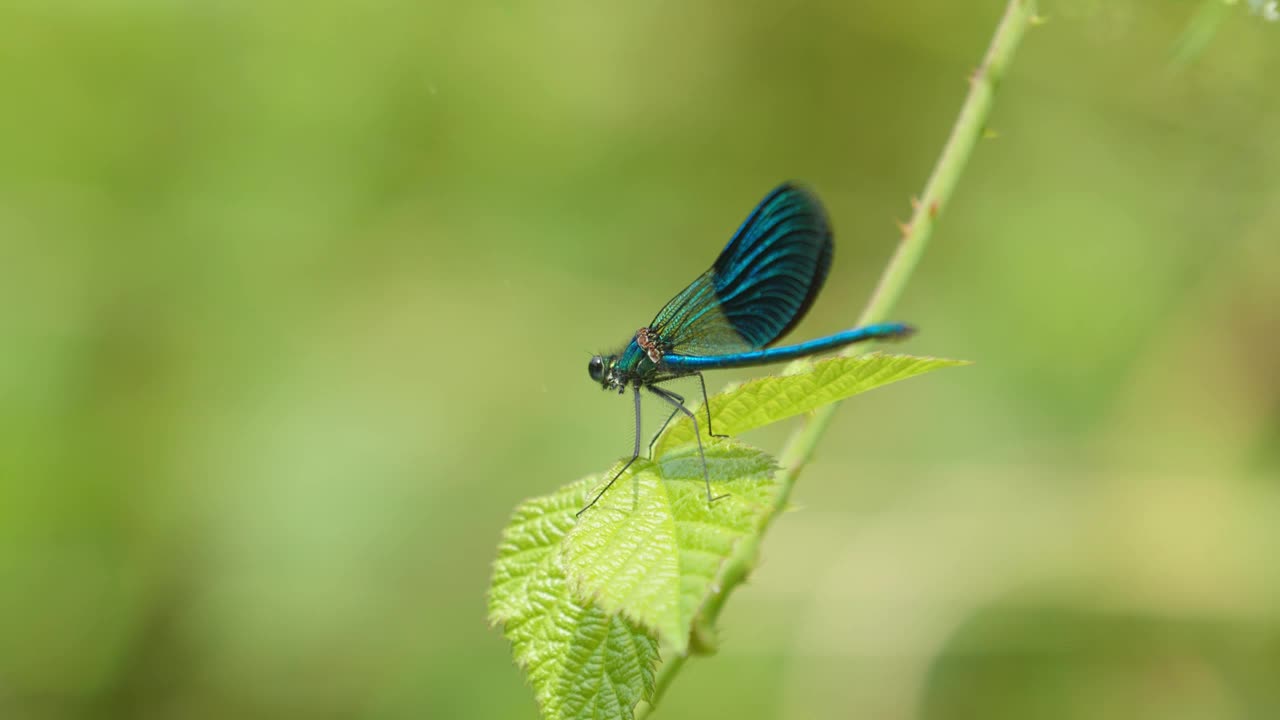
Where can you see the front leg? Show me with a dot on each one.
(635, 453)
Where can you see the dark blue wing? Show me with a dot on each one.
(761, 285)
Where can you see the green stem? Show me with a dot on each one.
(969, 128)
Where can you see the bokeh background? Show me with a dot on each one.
(296, 302)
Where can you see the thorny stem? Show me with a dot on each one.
(965, 134)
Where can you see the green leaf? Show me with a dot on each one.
(772, 398)
(529, 539)
(652, 548)
(585, 601)
(582, 661)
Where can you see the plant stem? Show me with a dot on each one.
(969, 128)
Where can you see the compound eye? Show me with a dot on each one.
(596, 368)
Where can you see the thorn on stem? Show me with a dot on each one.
(933, 209)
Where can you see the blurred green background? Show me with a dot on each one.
(296, 302)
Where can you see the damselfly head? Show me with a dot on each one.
(602, 369)
(596, 368)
